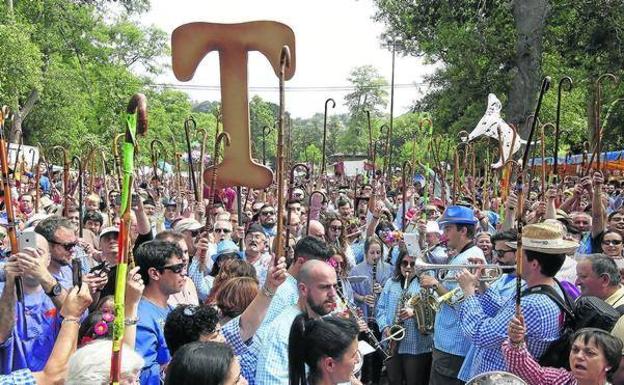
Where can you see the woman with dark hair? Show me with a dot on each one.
(411, 360)
(594, 357)
(204, 363)
(234, 296)
(328, 347)
(335, 235)
(365, 293)
(612, 246)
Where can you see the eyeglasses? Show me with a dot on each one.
(408, 264)
(195, 233)
(267, 213)
(611, 242)
(225, 231)
(336, 228)
(500, 253)
(176, 269)
(66, 246)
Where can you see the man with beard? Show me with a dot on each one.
(31, 348)
(61, 237)
(255, 252)
(268, 219)
(164, 273)
(308, 248)
(316, 285)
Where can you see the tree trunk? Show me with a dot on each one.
(530, 20)
(21, 114)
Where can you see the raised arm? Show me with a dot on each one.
(76, 303)
(252, 317)
(7, 299)
(598, 209)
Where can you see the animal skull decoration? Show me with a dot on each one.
(490, 124)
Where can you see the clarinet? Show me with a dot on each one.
(371, 313)
(370, 336)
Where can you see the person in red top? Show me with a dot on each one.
(594, 357)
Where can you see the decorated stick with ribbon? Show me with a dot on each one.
(136, 123)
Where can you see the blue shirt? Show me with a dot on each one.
(505, 287)
(273, 349)
(150, 340)
(245, 350)
(448, 336)
(384, 272)
(31, 347)
(286, 295)
(18, 377)
(65, 277)
(387, 306)
(542, 318)
(202, 282)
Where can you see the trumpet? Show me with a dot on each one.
(491, 272)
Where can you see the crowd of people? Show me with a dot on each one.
(379, 282)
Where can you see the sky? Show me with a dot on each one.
(331, 36)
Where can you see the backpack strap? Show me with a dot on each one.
(620, 309)
(551, 293)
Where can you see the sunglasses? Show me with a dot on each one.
(195, 233)
(408, 264)
(500, 253)
(66, 246)
(225, 231)
(612, 242)
(176, 269)
(267, 213)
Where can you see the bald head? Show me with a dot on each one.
(314, 269)
(316, 230)
(317, 288)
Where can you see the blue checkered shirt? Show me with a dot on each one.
(504, 287)
(542, 317)
(413, 342)
(286, 295)
(272, 366)
(245, 350)
(448, 336)
(202, 282)
(18, 377)
(384, 272)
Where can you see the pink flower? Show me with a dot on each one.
(100, 328)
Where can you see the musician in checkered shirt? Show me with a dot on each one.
(484, 317)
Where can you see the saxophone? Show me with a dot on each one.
(425, 306)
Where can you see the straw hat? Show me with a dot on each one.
(544, 238)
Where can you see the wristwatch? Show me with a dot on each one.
(55, 291)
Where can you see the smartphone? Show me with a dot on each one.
(27, 239)
(76, 272)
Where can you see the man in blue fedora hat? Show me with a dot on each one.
(450, 344)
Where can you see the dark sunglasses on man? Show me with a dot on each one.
(176, 269)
